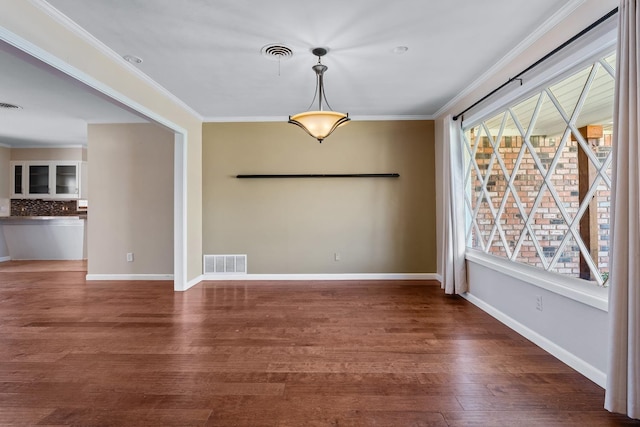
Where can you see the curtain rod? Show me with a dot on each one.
(541, 60)
(325, 175)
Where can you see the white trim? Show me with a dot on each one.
(438, 277)
(586, 369)
(180, 263)
(99, 277)
(5, 258)
(540, 31)
(5, 145)
(77, 74)
(191, 283)
(393, 117)
(243, 119)
(322, 276)
(573, 288)
(76, 29)
(284, 119)
(180, 173)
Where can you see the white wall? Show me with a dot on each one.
(574, 332)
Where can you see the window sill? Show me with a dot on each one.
(569, 287)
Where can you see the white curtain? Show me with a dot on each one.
(454, 272)
(623, 378)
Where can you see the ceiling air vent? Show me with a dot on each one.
(10, 106)
(277, 52)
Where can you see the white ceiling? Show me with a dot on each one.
(55, 109)
(208, 53)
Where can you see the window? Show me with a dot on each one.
(538, 176)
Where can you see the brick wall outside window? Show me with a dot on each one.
(548, 224)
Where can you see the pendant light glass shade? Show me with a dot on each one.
(320, 123)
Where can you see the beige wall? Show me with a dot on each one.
(131, 199)
(25, 20)
(75, 154)
(377, 225)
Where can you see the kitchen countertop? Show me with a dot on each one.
(43, 218)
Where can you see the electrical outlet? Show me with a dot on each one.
(129, 256)
(539, 302)
(336, 256)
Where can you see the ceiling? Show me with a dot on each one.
(207, 53)
(55, 108)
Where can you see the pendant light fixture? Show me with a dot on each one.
(319, 123)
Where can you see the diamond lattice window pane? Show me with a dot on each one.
(549, 226)
(611, 60)
(568, 90)
(569, 262)
(511, 221)
(485, 220)
(524, 111)
(528, 181)
(538, 176)
(565, 178)
(528, 254)
(549, 122)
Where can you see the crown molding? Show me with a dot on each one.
(284, 119)
(76, 29)
(392, 117)
(554, 20)
(247, 119)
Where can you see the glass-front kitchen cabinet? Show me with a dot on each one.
(45, 180)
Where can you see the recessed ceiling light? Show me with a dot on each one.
(10, 106)
(132, 59)
(399, 50)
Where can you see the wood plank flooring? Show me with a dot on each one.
(44, 265)
(382, 353)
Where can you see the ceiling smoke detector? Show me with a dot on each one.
(10, 106)
(132, 59)
(277, 52)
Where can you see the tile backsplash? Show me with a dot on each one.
(39, 207)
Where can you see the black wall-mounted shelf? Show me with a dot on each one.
(326, 175)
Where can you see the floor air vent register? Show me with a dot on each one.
(225, 264)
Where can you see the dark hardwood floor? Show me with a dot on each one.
(272, 354)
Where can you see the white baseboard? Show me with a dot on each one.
(339, 276)
(5, 258)
(191, 283)
(586, 369)
(96, 277)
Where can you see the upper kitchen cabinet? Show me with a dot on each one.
(67, 179)
(16, 180)
(38, 180)
(45, 180)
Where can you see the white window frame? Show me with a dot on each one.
(597, 44)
